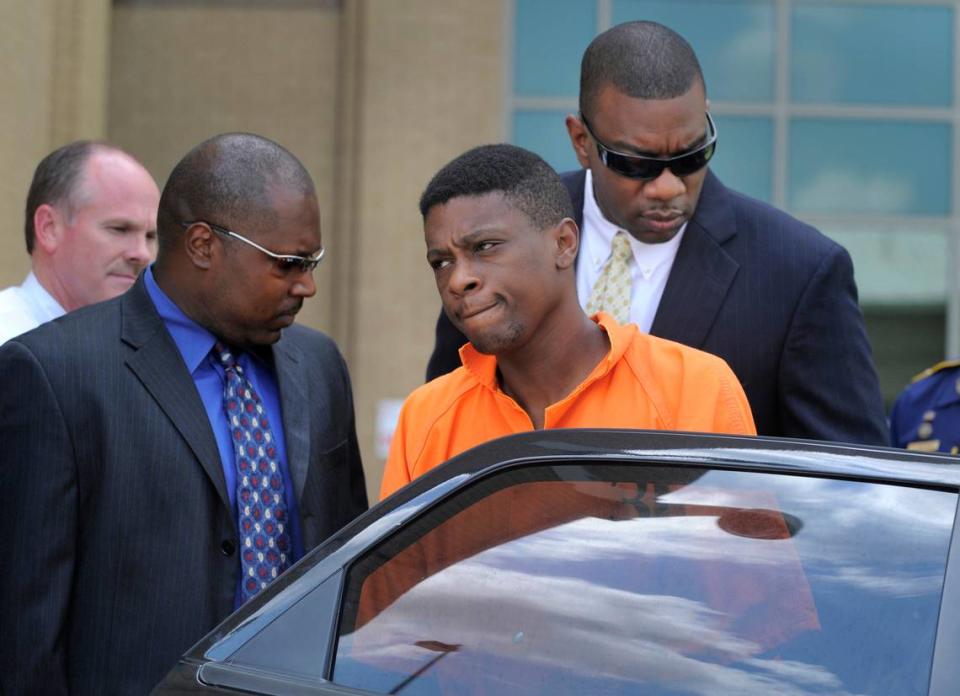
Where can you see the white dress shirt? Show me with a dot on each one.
(650, 264)
(25, 307)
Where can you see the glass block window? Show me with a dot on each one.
(744, 161)
(735, 40)
(871, 53)
(848, 166)
(549, 38)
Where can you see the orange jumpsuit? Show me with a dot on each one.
(643, 382)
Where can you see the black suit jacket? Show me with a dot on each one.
(121, 545)
(775, 299)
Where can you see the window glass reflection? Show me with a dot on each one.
(744, 159)
(872, 53)
(734, 40)
(610, 579)
(549, 38)
(544, 132)
(868, 166)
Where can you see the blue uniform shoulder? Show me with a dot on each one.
(939, 367)
(926, 415)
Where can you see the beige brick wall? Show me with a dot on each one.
(430, 86)
(182, 72)
(54, 91)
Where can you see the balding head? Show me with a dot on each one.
(234, 209)
(91, 221)
(228, 180)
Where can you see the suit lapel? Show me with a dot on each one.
(702, 271)
(158, 365)
(296, 409)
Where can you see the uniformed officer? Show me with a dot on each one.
(926, 416)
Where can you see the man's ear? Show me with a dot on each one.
(579, 139)
(48, 227)
(567, 238)
(199, 245)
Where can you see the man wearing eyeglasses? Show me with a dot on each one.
(168, 454)
(666, 245)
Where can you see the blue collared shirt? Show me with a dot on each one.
(194, 343)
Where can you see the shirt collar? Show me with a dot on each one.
(45, 306)
(647, 256)
(484, 367)
(193, 341)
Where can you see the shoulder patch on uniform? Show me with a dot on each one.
(942, 365)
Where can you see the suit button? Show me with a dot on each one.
(227, 547)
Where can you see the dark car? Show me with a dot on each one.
(620, 562)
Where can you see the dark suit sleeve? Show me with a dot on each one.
(828, 383)
(446, 355)
(38, 515)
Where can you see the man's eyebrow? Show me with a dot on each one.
(468, 238)
(473, 235)
(301, 252)
(118, 221)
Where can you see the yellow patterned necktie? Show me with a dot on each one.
(611, 292)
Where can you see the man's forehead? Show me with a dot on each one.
(626, 122)
(464, 214)
(291, 217)
(109, 173)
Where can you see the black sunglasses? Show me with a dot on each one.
(642, 167)
(284, 263)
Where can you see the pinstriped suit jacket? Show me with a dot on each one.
(121, 546)
(775, 299)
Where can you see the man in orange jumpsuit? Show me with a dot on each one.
(502, 244)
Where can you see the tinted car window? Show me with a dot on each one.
(613, 579)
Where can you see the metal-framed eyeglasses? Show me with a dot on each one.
(642, 167)
(285, 263)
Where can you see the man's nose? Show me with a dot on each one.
(304, 286)
(665, 187)
(463, 277)
(142, 250)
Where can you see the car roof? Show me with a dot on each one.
(772, 454)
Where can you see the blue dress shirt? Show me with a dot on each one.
(195, 343)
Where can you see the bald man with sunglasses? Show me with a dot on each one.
(666, 245)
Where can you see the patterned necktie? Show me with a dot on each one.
(261, 501)
(611, 292)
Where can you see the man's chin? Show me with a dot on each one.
(649, 235)
(118, 284)
(495, 342)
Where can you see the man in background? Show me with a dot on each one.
(666, 245)
(90, 228)
(502, 244)
(169, 453)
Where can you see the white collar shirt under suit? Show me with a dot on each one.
(650, 264)
(26, 306)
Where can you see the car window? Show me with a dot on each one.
(623, 579)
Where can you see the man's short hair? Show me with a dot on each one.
(525, 180)
(226, 180)
(643, 60)
(56, 181)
